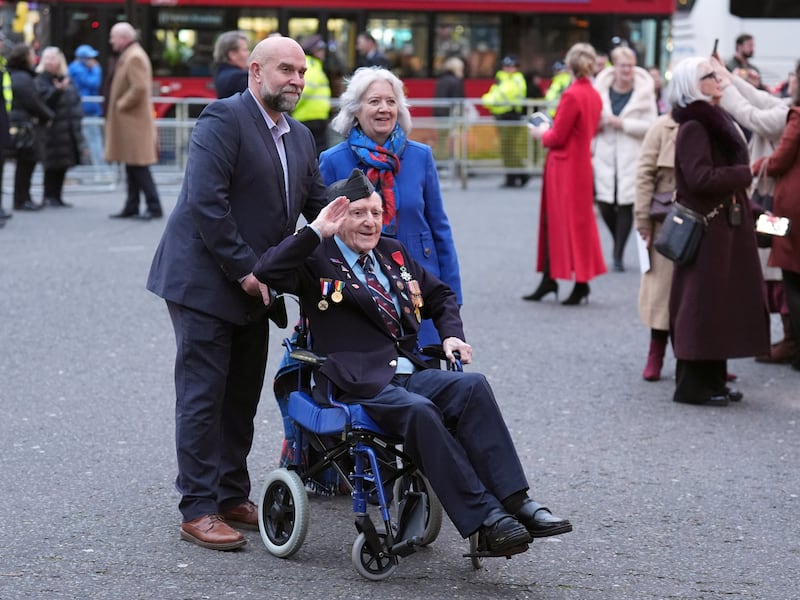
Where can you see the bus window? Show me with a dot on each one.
(257, 23)
(474, 38)
(302, 27)
(403, 38)
(185, 41)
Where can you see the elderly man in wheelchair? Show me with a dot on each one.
(364, 297)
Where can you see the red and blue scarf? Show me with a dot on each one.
(382, 164)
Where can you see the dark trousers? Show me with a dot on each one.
(619, 220)
(22, 181)
(791, 287)
(140, 180)
(219, 373)
(696, 380)
(54, 183)
(453, 430)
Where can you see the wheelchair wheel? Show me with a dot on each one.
(476, 561)
(283, 513)
(375, 567)
(417, 482)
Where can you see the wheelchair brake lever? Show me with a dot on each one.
(306, 356)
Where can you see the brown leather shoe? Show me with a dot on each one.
(244, 516)
(211, 531)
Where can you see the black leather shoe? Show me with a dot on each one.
(125, 214)
(734, 395)
(28, 205)
(150, 214)
(55, 203)
(501, 532)
(539, 521)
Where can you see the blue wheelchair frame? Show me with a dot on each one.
(377, 465)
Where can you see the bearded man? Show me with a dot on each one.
(251, 171)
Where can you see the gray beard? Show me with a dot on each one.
(278, 102)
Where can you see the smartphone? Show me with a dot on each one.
(539, 118)
(778, 226)
(716, 44)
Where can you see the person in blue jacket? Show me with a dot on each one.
(87, 76)
(375, 120)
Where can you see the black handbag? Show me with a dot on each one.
(660, 204)
(22, 136)
(681, 234)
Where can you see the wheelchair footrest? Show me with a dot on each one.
(406, 547)
(508, 552)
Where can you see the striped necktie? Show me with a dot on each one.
(382, 298)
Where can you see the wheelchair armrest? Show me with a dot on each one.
(307, 357)
(434, 351)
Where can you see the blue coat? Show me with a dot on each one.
(422, 224)
(232, 207)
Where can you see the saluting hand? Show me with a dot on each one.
(329, 218)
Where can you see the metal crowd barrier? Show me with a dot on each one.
(470, 142)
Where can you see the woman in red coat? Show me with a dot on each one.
(717, 304)
(784, 164)
(569, 243)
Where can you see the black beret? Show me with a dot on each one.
(355, 187)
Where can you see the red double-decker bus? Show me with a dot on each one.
(416, 36)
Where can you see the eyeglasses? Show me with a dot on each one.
(711, 75)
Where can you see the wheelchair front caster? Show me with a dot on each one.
(283, 513)
(375, 567)
(475, 559)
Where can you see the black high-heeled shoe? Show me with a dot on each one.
(579, 293)
(547, 286)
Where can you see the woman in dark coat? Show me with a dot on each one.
(784, 164)
(64, 141)
(717, 305)
(28, 110)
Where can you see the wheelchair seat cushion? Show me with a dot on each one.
(328, 420)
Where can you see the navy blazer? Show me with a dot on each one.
(361, 353)
(232, 207)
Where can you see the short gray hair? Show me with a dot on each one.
(350, 100)
(685, 85)
(227, 42)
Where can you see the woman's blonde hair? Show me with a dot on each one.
(62, 61)
(581, 59)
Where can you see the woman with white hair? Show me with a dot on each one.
(64, 144)
(375, 121)
(717, 304)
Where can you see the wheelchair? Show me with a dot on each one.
(367, 460)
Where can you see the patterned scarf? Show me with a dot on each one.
(383, 163)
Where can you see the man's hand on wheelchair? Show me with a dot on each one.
(329, 218)
(253, 287)
(453, 344)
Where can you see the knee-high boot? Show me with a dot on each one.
(655, 357)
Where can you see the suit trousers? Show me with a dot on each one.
(140, 180)
(454, 432)
(697, 380)
(219, 373)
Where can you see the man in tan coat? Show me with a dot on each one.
(130, 125)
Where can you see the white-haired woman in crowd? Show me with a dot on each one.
(717, 303)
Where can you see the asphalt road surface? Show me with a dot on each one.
(667, 500)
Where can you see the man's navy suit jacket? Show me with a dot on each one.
(361, 354)
(232, 207)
